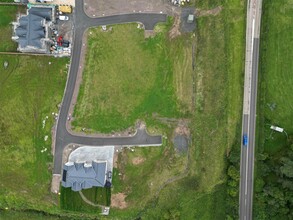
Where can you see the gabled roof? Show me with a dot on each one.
(80, 176)
(41, 12)
(30, 30)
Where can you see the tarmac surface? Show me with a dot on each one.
(64, 137)
(249, 109)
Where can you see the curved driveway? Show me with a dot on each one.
(63, 137)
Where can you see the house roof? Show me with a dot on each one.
(30, 29)
(80, 176)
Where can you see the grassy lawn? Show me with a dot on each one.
(72, 201)
(114, 60)
(30, 90)
(118, 89)
(276, 74)
(8, 15)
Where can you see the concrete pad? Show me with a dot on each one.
(88, 154)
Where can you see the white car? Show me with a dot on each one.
(63, 18)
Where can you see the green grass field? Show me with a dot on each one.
(219, 45)
(30, 90)
(276, 107)
(128, 78)
(118, 89)
(8, 15)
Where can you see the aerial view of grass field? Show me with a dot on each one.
(31, 89)
(113, 96)
(177, 84)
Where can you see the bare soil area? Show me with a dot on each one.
(118, 201)
(105, 8)
(174, 32)
(214, 11)
(137, 160)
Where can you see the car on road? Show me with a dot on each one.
(245, 140)
(63, 18)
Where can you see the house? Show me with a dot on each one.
(80, 176)
(31, 31)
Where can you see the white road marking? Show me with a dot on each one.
(246, 173)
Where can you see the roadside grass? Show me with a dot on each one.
(276, 106)
(219, 69)
(126, 78)
(7, 15)
(30, 90)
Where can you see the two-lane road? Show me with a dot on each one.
(249, 108)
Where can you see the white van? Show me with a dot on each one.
(63, 18)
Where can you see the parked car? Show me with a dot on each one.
(63, 18)
(65, 43)
(109, 175)
(245, 140)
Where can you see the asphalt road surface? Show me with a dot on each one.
(63, 137)
(249, 109)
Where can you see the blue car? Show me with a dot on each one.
(245, 140)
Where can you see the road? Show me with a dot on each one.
(64, 137)
(254, 8)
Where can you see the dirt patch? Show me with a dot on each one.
(174, 32)
(118, 201)
(214, 12)
(115, 160)
(55, 185)
(181, 136)
(182, 128)
(137, 160)
(105, 8)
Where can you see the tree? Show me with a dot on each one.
(233, 173)
(287, 168)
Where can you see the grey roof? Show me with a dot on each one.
(41, 12)
(31, 30)
(80, 176)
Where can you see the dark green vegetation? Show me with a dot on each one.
(7, 15)
(71, 200)
(274, 179)
(30, 90)
(27, 215)
(131, 81)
